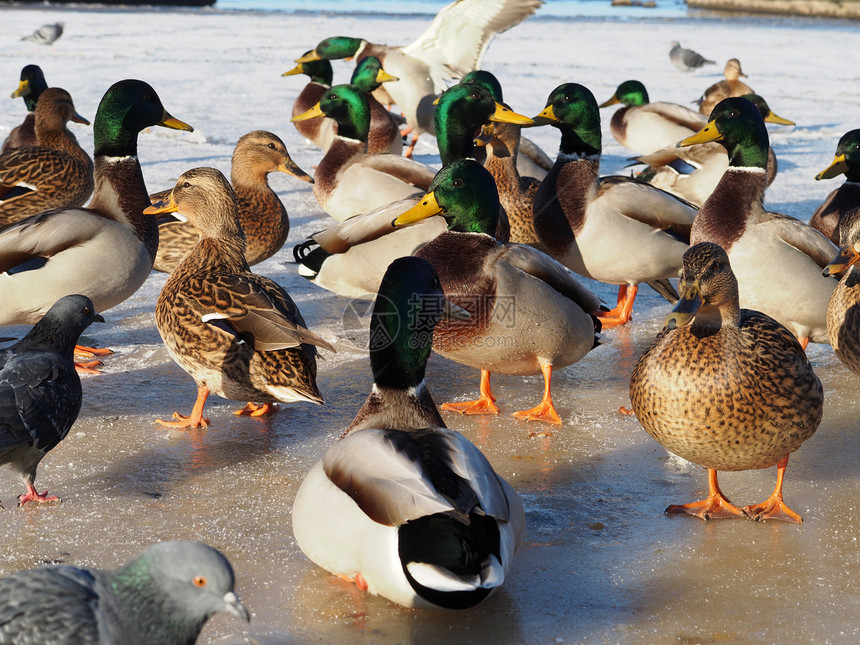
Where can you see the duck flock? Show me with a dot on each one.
(488, 258)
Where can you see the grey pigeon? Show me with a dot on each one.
(46, 34)
(40, 391)
(162, 597)
(686, 60)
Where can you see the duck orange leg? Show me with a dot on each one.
(623, 310)
(715, 506)
(254, 410)
(89, 352)
(196, 419)
(804, 342)
(545, 411)
(485, 405)
(411, 148)
(773, 508)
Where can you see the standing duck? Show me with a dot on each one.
(318, 131)
(847, 196)
(734, 217)
(30, 88)
(614, 229)
(236, 333)
(512, 291)
(263, 217)
(452, 45)
(401, 505)
(726, 388)
(104, 251)
(731, 86)
(843, 311)
(55, 173)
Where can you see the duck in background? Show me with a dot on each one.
(318, 131)
(845, 198)
(384, 135)
(30, 88)
(401, 505)
(452, 45)
(843, 311)
(734, 217)
(726, 388)
(617, 230)
(236, 333)
(731, 86)
(528, 314)
(55, 173)
(263, 217)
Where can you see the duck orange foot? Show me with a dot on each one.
(254, 410)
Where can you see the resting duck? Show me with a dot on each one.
(512, 291)
(692, 173)
(350, 258)
(452, 45)
(734, 217)
(614, 229)
(646, 127)
(348, 180)
(263, 217)
(384, 135)
(731, 86)
(55, 173)
(318, 131)
(726, 388)
(401, 505)
(847, 196)
(104, 251)
(30, 88)
(843, 312)
(236, 333)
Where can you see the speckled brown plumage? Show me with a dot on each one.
(840, 201)
(730, 86)
(843, 310)
(261, 213)
(733, 390)
(56, 173)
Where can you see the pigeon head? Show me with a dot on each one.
(63, 324)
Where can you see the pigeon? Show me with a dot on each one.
(686, 60)
(162, 597)
(46, 34)
(40, 391)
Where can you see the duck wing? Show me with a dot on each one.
(45, 235)
(804, 238)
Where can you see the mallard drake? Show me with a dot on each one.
(55, 173)
(847, 196)
(686, 60)
(726, 388)
(734, 217)
(618, 230)
(50, 255)
(30, 87)
(646, 127)
(263, 217)
(373, 510)
(318, 131)
(528, 314)
(843, 311)
(384, 134)
(348, 180)
(692, 173)
(350, 258)
(453, 44)
(731, 86)
(236, 333)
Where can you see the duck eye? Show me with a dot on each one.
(272, 146)
(457, 183)
(199, 581)
(186, 185)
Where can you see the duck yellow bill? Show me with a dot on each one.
(835, 169)
(292, 168)
(847, 256)
(774, 118)
(173, 123)
(546, 117)
(686, 309)
(166, 205)
(609, 102)
(298, 69)
(427, 207)
(23, 89)
(506, 115)
(309, 57)
(485, 135)
(709, 133)
(384, 77)
(313, 113)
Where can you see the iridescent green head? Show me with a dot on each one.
(487, 80)
(573, 109)
(736, 123)
(629, 93)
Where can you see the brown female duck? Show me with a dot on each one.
(730, 86)
(843, 312)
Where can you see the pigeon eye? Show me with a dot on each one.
(199, 581)
(85, 311)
